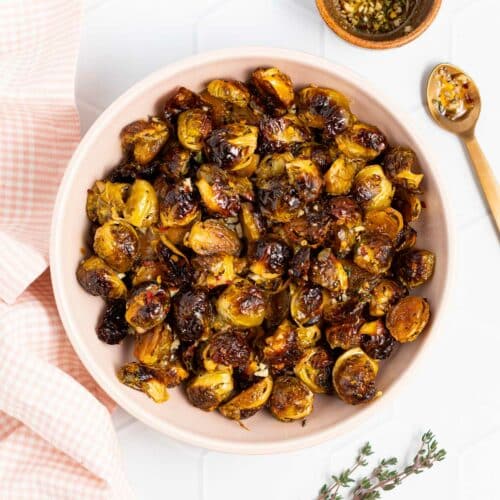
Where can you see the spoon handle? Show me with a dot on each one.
(486, 177)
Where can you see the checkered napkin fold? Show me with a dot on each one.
(56, 437)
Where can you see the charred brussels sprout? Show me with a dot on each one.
(277, 308)
(408, 318)
(384, 221)
(193, 126)
(173, 374)
(193, 315)
(147, 307)
(209, 389)
(211, 271)
(281, 349)
(178, 203)
(279, 202)
(155, 348)
(408, 204)
(362, 141)
(327, 271)
(306, 178)
(269, 258)
(315, 370)
(117, 243)
(144, 139)
(343, 210)
(376, 341)
(113, 328)
(374, 253)
(227, 348)
(249, 401)
(141, 209)
(211, 237)
(242, 304)
(406, 239)
(229, 90)
(307, 303)
(182, 100)
(372, 189)
(340, 176)
(275, 88)
(383, 295)
(400, 164)
(311, 229)
(106, 201)
(271, 167)
(290, 399)
(308, 336)
(300, 265)
(97, 278)
(252, 222)
(143, 379)
(415, 267)
(174, 163)
(354, 376)
(282, 134)
(344, 331)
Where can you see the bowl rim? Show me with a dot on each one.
(64, 306)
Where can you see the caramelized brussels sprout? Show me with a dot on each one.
(386, 221)
(113, 328)
(211, 237)
(300, 265)
(312, 229)
(175, 161)
(211, 271)
(415, 267)
(247, 167)
(155, 348)
(290, 399)
(193, 126)
(408, 204)
(231, 145)
(228, 349)
(400, 164)
(374, 253)
(128, 170)
(178, 203)
(144, 139)
(178, 272)
(383, 295)
(340, 176)
(308, 336)
(143, 379)
(321, 154)
(376, 341)
(306, 305)
(271, 167)
(344, 331)
(97, 278)
(354, 376)
(150, 270)
(173, 374)
(282, 133)
(106, 201)
(406, 239)
(192, 315)
(209, 389)
(230, 90)
(141, 209)
(343, 210)
(269, 258)
(327, 271)
(277, 308)
(281, 349)
(362, 141)
(117, 243)
(408, 318)
(147, 307)
(182, 100)
(279, 202)
(315, 370)
(275, 89)
(242, 304)
(249, 401)
(372, 189)
(306, 178)
(251, 221)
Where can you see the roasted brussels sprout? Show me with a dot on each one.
(311, 229)
(408, 204)
(113, 328)
(230, 146)
(252, 222)
(315, 370)
(128, 170)
(343, 210)
(406, 239)
(193, 126)
(150, 270)
(182, 100)
(227, 348)
(157, 347)
(117, 243)
(211, 237)
(211, 271)
(376, 341)
(174, 163)
(275, 89)
(277, 308)
(383, 295)
(307, 303)
(173, 374)
(362, 141)
(386, 221)
(279, 202)
(344, 330)
(300, 265)
(141, 209)
(230, 90)
(97, 278)
(178, 203)
(327, 271)
(374, 253)
(271, 167)
(282, 133)
(147, 307)
(306, 178)
(399, 165)
(308, 336)
(290, 399)
(106, 201)
(177, 273)
(242, 304)
(144, 139)
(192, 315)
(281, 349)
(354, 376)
(372, 189)
(407, 319)
(143, 379)
(269, 258)
(415, 267)
(209, 389)
(249, 401)
(340, 176)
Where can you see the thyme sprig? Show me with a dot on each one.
(385, 476)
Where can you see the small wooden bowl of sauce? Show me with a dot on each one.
(378, 24)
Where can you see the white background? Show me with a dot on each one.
(456, 392)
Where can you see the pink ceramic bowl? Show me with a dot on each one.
(100, 150)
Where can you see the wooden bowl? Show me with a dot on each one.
(420, 20)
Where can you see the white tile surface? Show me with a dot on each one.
(456, 393)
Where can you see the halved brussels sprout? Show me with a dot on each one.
(315, 370)
(408, 318)
(141, 209)
(300, 265)
(117, 243)
(279, 202)
(269, 257)
(147, 307)
(281, 134)
(178, 203)
(362, 141)
(327, 271)
(281, 349)
(251, 222)
(228, 348)
(143, 379)
(415, 267)
(322, 155)
(155, 348)
(354, 376)
(242, 304)
(344, 331)
(406, 239)
(97, 278)
(182, 100)
(290, 399)
(150, 270)
(230, 90)
(247, 167)
(311, 229)
(113, 328)
(106, 201)
(399, 164)
(211, 271)
(209, 389)
(306, 178)
(193, 126)
(340, 176)
(376, 341)
(277, 308)
(374, 253)
(271, 167)
(372, 189)
(275, 88)
(144, 139)
(173, 374)
(343, 210)
(192, 315)
(383, 295)
(211, 237)
(175, 161)
(408, 204)
(386, 221)
(307, 303)
(249, 401)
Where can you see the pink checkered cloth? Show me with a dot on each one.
(56, 437)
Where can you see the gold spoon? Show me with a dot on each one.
(464, 126)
